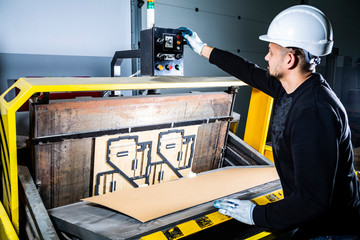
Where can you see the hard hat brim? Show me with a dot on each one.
(324, 49)
(265, 38)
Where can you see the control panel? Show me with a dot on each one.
(162, 52)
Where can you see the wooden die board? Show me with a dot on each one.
(125, 161)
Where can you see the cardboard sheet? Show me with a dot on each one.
(148, 203)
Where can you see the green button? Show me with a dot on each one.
(150, 5)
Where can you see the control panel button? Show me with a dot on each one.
(178, 67)
(168, 67)
(160, 56)
(160, 40)
(178, 56)
(159, 67)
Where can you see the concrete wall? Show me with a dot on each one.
(61, 38)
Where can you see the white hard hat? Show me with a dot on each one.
(304, 27)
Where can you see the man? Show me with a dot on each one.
(310, 134)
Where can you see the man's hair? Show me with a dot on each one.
(304, 65)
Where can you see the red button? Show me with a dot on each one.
(168, 67)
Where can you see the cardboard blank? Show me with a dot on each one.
(148, 203)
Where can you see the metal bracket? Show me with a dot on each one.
(116, 62)
(118, 58)
(232, 90)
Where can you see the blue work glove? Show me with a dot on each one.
(192, 40)
(240, 210)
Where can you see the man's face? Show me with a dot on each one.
(275, 58)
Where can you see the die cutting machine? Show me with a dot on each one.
(73, 143)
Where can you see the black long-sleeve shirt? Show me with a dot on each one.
(312, 151)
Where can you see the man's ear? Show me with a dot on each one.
(291, 61)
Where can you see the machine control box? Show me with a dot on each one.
(162, 52)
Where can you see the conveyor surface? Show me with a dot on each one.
(91, 221)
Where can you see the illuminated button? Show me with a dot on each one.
(178, 36)
(168, 67)
(178, 42)
(159, 67)
(178, 67)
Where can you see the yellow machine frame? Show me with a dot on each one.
(9, 208)
(213, 219)
(257, 123)
(7, 230)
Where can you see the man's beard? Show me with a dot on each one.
(277, 74)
